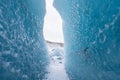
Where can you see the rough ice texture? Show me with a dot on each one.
(23, 54)
(92, 38)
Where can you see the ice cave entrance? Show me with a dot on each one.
(52, 29)
(53, 35)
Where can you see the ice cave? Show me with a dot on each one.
(90, 49)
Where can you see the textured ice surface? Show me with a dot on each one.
(22, 50)
(92, 38)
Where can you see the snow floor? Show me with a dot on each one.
(56, 69)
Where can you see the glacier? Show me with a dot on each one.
(23, 54)
(92, 38)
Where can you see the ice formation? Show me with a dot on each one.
(23, 55)
(92, 38)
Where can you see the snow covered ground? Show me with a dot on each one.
(56, 70)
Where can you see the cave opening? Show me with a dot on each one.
(53, 34)
(52, 24)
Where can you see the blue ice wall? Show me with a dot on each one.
(23, 54)
(92, 38)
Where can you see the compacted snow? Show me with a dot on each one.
(56, 69)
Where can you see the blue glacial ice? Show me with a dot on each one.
(92, 38)
(91, 33)
(23, 54)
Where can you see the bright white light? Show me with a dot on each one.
(52, 24)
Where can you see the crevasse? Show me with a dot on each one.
(91, 31)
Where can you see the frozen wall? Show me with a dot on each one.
(22, 50)
(92, 38)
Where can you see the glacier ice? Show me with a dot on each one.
(23, 54)
(92, 38)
